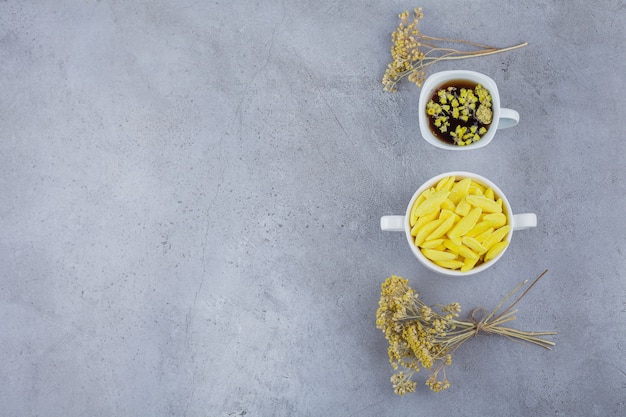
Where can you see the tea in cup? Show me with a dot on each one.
(460, 110)
(458, 223)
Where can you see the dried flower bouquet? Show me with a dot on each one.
(413, 52)
(422, 336)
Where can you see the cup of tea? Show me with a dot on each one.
(458, 223)
(460, 110)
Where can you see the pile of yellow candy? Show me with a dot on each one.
(459, 224)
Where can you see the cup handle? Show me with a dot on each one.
(508, 118)
(392, 223)
(524, 221)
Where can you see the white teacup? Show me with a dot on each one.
(502, 117)
(401, 223)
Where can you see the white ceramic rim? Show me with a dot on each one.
(430, 183)
(435, 81)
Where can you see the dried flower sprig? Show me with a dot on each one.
(413, 51)
(422, 336)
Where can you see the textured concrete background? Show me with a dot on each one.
(190, 195)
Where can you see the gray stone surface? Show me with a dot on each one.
(191, 193)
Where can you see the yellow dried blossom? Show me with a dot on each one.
(402, 383)
(422, 336)
(436, 385)
(412, 51)
(426, 312)
(484, 114)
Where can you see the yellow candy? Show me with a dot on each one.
(445, 184)
(463, 207)
(468, 264)
(432, 244)
(460, 190)
(448, 205)
(451, 246)
(466, 223)
(496, 219)
(484, 235)
(437, 255)
(445, 213)
(478, 185)
(489, 193)
(479, 228)
(484, 203)
(443, 227)
(467, 253)
(426, 230)
(496, 237)
(421, 221)
(454, 264)
(476, 188)
(431, 203)
(496, 250)
(473, 244)
(419, 200)
(413, 217)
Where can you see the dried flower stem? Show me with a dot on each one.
(413, 51)
(421, 337)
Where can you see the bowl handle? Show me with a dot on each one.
(392, 223)
(508, 118)
(524, 221)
